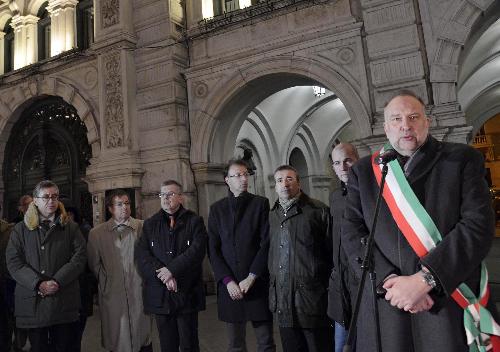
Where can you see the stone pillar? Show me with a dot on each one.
(25, 40)
(198, 10)
(2, 53)
(211, 187)
(118, 165)
(63, 23)
(394, 53)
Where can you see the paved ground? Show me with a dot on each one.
(211, 333)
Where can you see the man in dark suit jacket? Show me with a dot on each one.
(448, 181)
(238, 229)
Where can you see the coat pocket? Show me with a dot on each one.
(154, 295)
(272, 296)
(25, 302)
(310, 298)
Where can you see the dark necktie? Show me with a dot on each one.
(172, 222)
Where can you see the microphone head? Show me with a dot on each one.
(388, 156)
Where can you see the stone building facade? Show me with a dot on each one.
(164, 89)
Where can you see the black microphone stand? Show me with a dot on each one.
(368, 267)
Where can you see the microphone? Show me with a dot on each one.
(387, 156)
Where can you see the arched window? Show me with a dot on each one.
(8, 48)
(85, 23)
(43, 33)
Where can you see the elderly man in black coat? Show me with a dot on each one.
(238, 229)
(418, 313)
(169, 256)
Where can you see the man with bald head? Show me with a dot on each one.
(342, 283)
(434, 229)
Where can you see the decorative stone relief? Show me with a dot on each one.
(345, 55)
(113, 115)
(200, 89)
(110, 12)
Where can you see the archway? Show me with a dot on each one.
(49, 141)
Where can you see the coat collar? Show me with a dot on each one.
(303, 201)
(425, 160)
(133, 223)
(32, 219)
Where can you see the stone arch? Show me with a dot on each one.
(5, 16)
(266, 134)
(305, 134)
(215, 125)
(34, 6)
(14, 101)
(302, 119)
(455, 26)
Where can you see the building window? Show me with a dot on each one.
(85, 23)
(8, 48)
(223, 6)
(43, 33)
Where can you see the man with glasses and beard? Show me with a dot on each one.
(238, 228)
(45, 256)
(170, 258)
(124, 326)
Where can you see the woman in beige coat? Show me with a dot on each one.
(124, 326)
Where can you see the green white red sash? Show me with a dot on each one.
(483, 333)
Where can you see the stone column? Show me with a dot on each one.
(63, 23)
(25, 40)
(2, 53)
(118, 165)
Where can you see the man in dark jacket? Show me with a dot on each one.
(238, 228)
(45, 256)
(300, 261)
(169, 256)
(342, 286)
(448, 211)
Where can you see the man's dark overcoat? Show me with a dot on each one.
(239, 244)
(343, 284)
(33, 255)
(181, 251)
(300, 263)
(449, 181)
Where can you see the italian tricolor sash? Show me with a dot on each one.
(483, 333)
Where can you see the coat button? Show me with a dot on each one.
(281, 267)
(279, 311)
(43, 271)
(359, 260)
(42, 248)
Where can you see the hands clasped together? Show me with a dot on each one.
(167, 278)
(409, 293)
(237, 291)
(48, 288)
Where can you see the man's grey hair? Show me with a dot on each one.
(42, 185)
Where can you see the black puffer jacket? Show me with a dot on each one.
(181, 251)
(300, 261)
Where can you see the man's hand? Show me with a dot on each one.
(164, 275)
(172, 285)
(408, 293)
(234, 290)
(246, 284)
(47, 288)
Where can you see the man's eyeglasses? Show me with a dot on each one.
(168, 194)
(244, 174)
(46, 197)
(121, 204)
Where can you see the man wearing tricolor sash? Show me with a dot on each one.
(434, 229)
